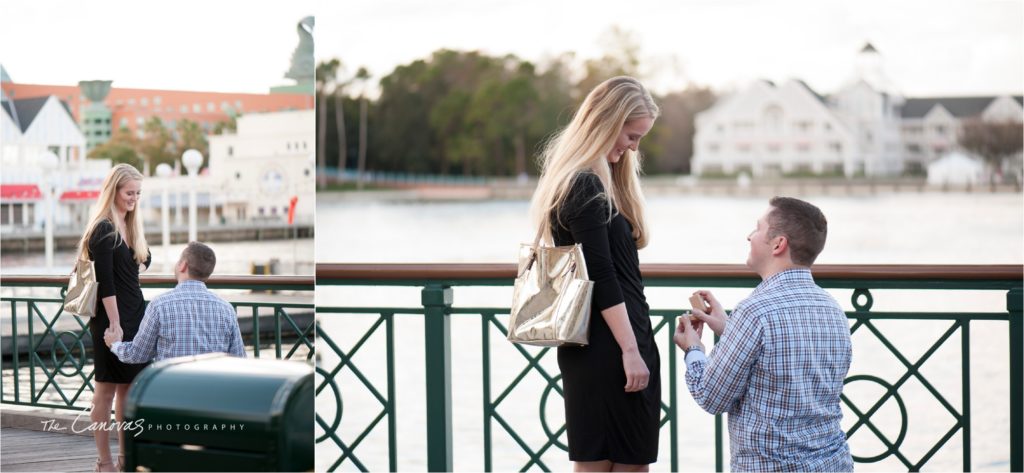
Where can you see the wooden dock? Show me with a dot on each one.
(25, 446)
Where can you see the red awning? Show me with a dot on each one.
(20, 192)
(79, 195)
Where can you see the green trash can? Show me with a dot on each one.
(220, 413)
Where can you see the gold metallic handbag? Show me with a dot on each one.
(551, 300)
(80, 299)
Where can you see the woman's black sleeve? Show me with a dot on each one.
(149, 258)
(585, 214)
(101, 250)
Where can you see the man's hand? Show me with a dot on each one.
(110, 336)
(716, 319)
(688, 332)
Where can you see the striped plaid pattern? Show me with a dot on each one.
(188, 320)
(778, 371)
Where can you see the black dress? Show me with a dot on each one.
(604, 421)
(118, 275)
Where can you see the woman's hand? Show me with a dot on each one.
(637, 374)
(115, 332)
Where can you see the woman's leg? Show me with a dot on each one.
(601, 465)
(628, 467)
(119, 402)
(102, 400)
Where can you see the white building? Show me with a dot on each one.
(956, 169)
(30, 128)
(769, 130)
(258, 170)
(866, 128)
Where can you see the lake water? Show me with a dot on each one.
(885, 229)
(295, 258)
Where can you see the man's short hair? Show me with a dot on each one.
(803, 225)
(201, 260)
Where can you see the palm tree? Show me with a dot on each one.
(362, 76)
(326, 72)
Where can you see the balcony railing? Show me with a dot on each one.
(436, 284)
(45, 357)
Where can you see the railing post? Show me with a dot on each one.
(437, 304)
(1014, 305)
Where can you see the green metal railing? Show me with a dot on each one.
(437, 283)
(57, 361)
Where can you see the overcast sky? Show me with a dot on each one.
(930, 47)
(208, 45)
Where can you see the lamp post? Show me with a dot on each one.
(192, 159)
(48, 161)
(164, 171)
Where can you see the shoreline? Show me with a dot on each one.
(510, 189)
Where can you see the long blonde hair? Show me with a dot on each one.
(584, 145)
(105, 209)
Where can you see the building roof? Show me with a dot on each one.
(24, 111)
(20, 192)
(868, 48)
(4, 77)
(821, 98)
(960, 107)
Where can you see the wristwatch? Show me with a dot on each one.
(693, 347)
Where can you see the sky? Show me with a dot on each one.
(929, 47)
(210, 45)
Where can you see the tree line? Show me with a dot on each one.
(472, 114)
(158, 143)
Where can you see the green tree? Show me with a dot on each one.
(120, 148)
(669, 146)
(326, 72)
(157, 144)
(190, 136)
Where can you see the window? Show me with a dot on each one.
(139, 120)
(131, 101)
(712, 147)
(238, 104)
(238, 176)
(231, 152)
(940, 129)
(144, 102)
(261, 211)
(772, 117)
(720, 128)
(210, 107)
(774, 147)
(273, 210)
(828, 126)
(124, 122)
(803, 147)
(835, 146)
(914, 148)
(196, 108)
(802, 168)
(804, 126)
(224, 106)
(157, 100)
(288, 145)
(183, 109)
(303, 145)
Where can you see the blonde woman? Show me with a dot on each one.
(589, 193)
(114, 240)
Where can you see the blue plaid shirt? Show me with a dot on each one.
(778, 371)
(188, 320)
